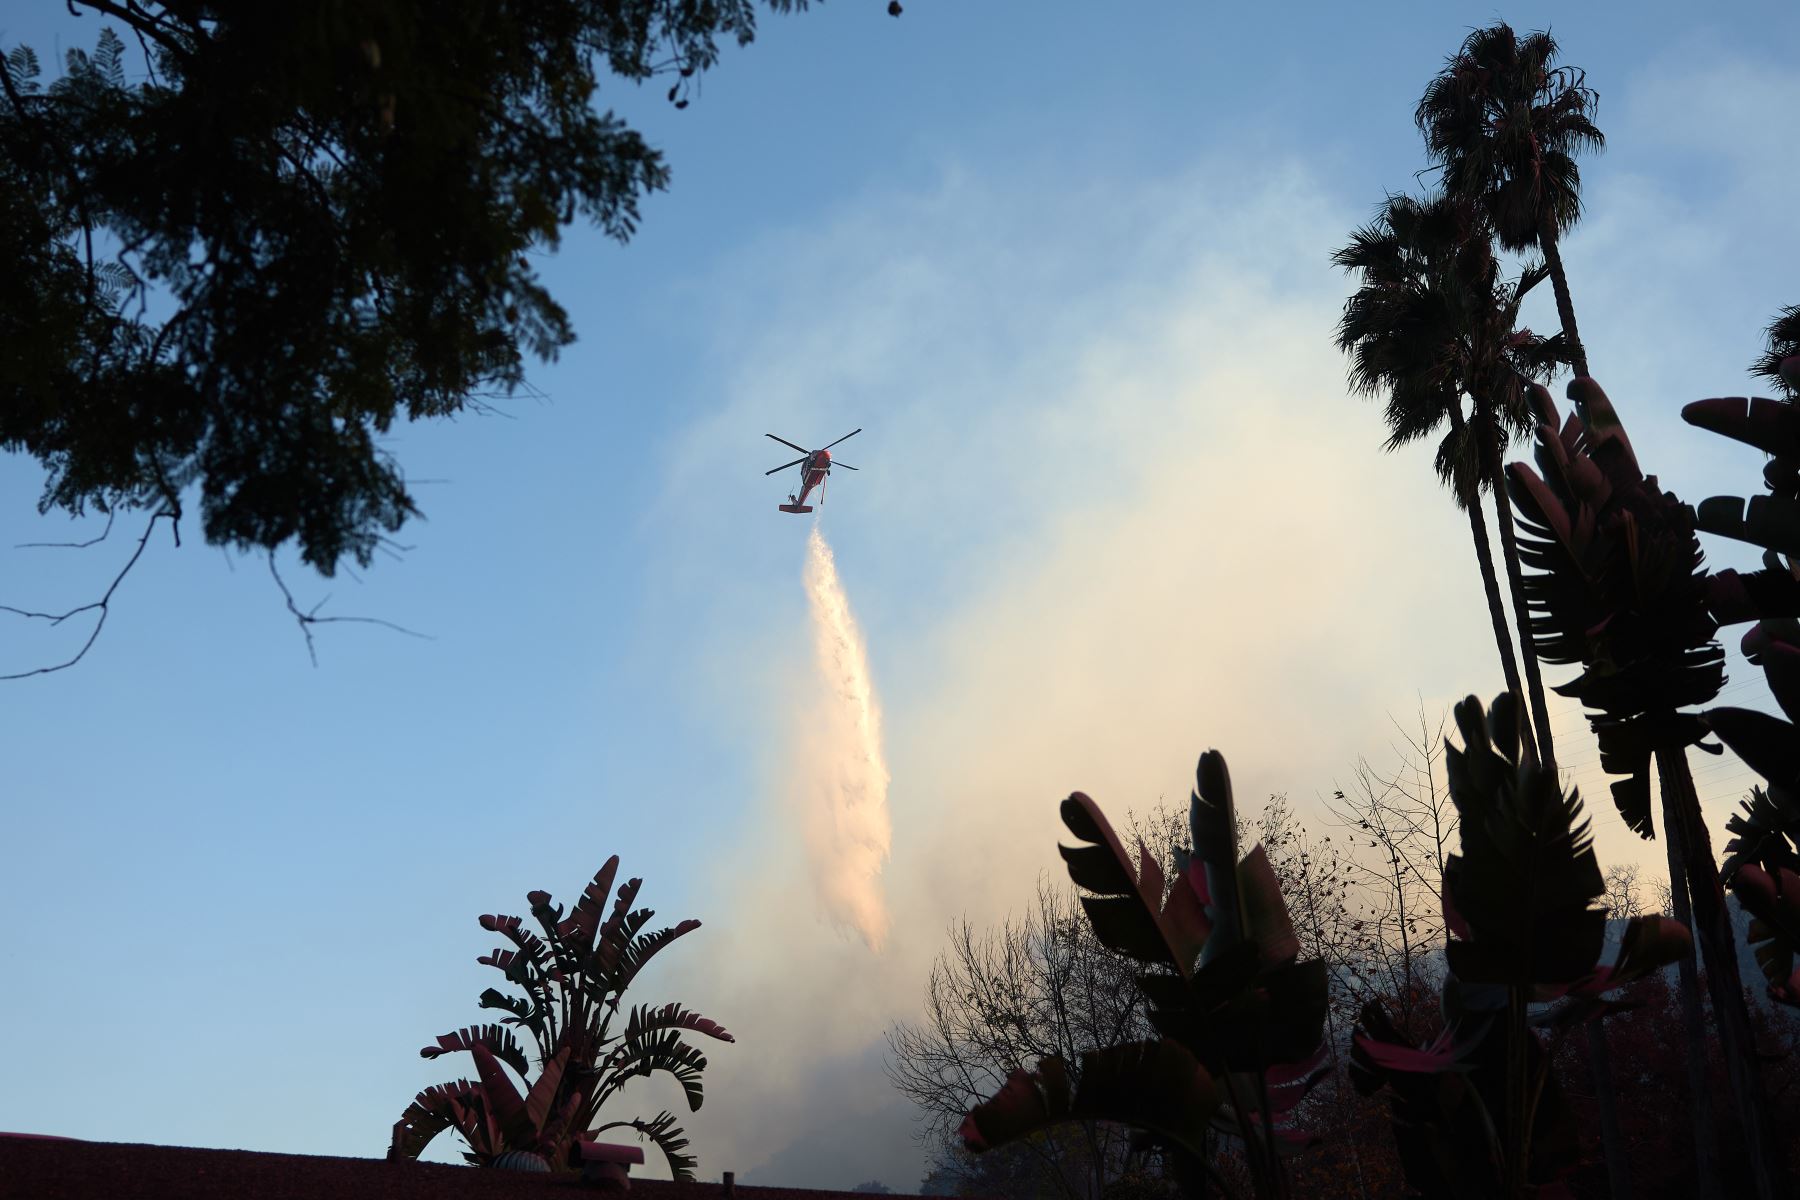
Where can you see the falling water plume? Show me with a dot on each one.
(843, 775)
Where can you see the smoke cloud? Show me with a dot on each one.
(842, 775)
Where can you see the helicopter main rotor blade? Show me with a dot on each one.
(785, 466)
(788, 444)
(846, 466)
(845, 438)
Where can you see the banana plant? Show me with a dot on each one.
(1621, 593)
(1617, 591)
(574, 978)
(1772, 521)
(1761, 866)
(1242, 1019)
(1762, 861)
(1477, 1111)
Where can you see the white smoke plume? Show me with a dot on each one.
(842, 775)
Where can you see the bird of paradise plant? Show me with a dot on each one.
(1477, 1111)
(574, 978)
(1621, 592)
(1242, 1019)
(1761, 865)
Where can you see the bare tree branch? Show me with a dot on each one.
(110, 516)
(103, 605)
(310, 617)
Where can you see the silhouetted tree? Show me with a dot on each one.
(1784, 343)
(227, 279)
(1431, 323)
(1505, 123)
(1000, 999)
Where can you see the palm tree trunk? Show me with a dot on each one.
(1490, 583)
(1509, 550)
(1712, 927)
(1565, 306)
(1693, 1022)
(1612, 1141)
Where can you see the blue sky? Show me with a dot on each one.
(1070, 274)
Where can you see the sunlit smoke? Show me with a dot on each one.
(843, 777)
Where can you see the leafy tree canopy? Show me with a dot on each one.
(234, 273)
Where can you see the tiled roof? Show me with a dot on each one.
(36, 1168)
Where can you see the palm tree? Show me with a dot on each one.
(1784, 344)
(1504, 123)
(1431, 323)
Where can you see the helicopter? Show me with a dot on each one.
(818, 464)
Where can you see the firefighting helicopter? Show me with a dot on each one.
(818, 464)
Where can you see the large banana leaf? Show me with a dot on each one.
(1771, 521)
(1155, 1086)
(613, 935)
(541, 1100)
(1762, 860)
(668, 1137)
(641, 949)
(645, 1020)
(582, 924)
(1768, 745)
(524, 1012)
(657, 1051)
(1772, 426)
(1128, 911)
(459, 1105)
(497, 1038)
(503, 1099)
(1212, 823)
(1250, 1019)
(1766, 831)
(1772, 897)
(531, 948)
(1615, 587)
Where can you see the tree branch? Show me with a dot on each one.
(139, 22)
(102, 605)
(72, 545)
(311, 617)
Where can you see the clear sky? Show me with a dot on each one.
(1068, 267)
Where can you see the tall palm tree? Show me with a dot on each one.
(1505, 124)
(1432, 323)
(1784, 344)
